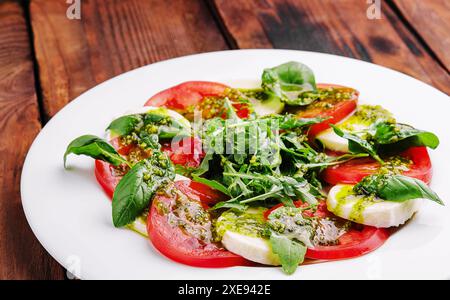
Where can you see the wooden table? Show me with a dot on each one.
(46, 60)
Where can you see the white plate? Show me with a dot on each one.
(71, 216)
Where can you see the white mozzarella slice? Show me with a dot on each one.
(139, 226)
(360, 120)
(252, 248)
(268, 107)
(376, 212)
(332, 141)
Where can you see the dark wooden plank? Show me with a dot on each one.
(338, 27)
(21, 255)
(113, 37)
(430, 19)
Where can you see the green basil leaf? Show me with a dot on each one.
(357, 144)
(125, 125)
(396, 188)
(288, 81)
(290, 253)
(95, 147)
(161, 121)
(135, 190)
(387, 133)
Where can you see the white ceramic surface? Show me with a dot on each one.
(71, 216)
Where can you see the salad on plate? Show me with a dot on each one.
(285, 174)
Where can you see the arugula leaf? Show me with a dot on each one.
(135, 190)
(288, 81)
(357, 144)
(396, 188)
(289, 121)
(228, 204)
(211, 183)
(290, 252)
(204, 165)
(95, 147)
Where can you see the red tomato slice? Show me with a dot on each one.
(188, 152)
(354, 171)
(334, 110)
(357, 241)
(192, 93)
(178, 244)
(104, 173)
(186, 94)
(354, 243)
(203, 193)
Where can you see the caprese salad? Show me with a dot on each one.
(218, 176)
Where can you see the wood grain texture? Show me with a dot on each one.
(337, 27)
(113, 37)
(430, 19)
(21, 255)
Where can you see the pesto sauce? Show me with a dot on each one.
(327, 98)
(250, 222)
(395, 165)
(341, 197)
(366, 115)
(356, 214)
(214, 106)
(186, 213)
(361, 202)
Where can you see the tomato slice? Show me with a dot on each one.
(187, 152)
(191, 94)
(357, 241)
(333, 109)
(186, 94)
(105, 175)
(203, 193)
(354, 171)
(354, 243)
(179, 243)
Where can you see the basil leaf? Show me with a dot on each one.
(396, 188)
(160, 121)
(288, 81)
(124, 125)
(357, 144)
(95, 147)
(290, 253)
(211, 183)
(387, 133)
(135, 190)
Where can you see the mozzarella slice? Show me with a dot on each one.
(252, 248)
(374, 212)
(361, 119)
(139, 226)
(332, 141)
(267, 107)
